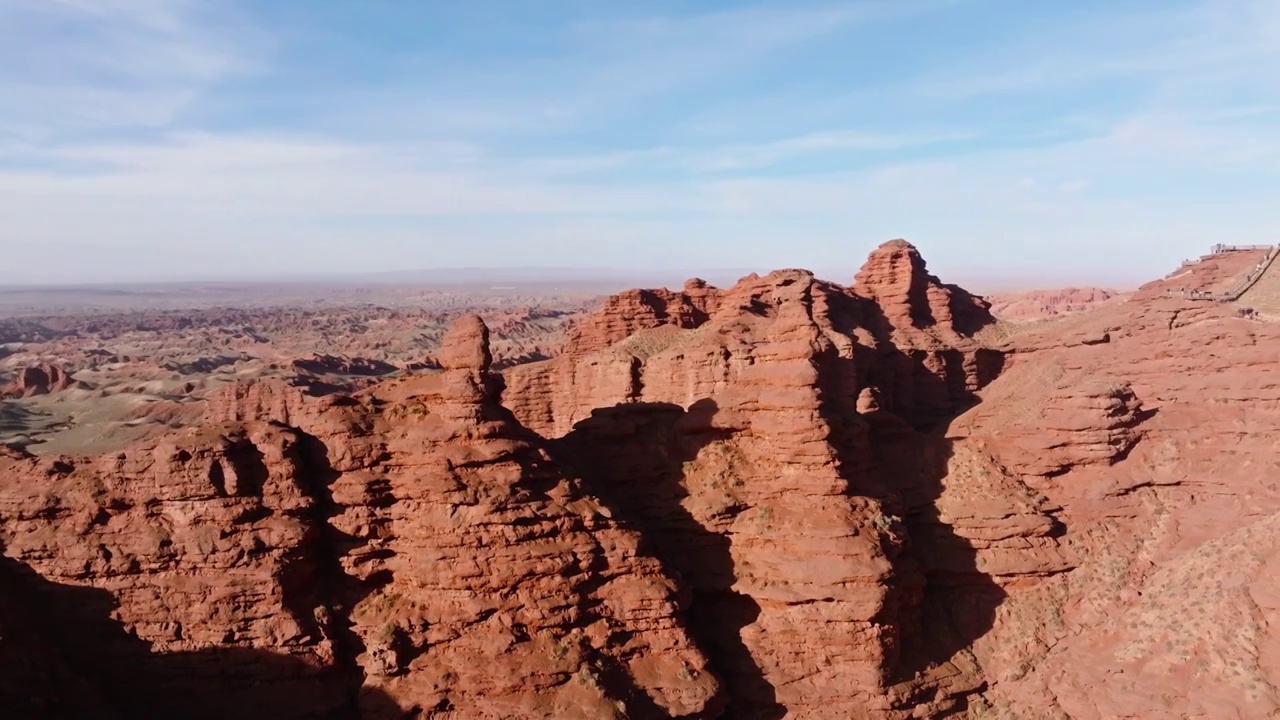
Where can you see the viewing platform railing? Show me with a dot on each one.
(1221, 248)
(1244, 285)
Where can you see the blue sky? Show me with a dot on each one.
(1012, 141)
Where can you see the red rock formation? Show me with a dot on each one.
(335, 365)
(786, 497)
(601, 373)
(481, 550)
(623, 354)
(37, 380)
(1164, 614)
(914, 301)
(414, 540)
(246, 402)
(1059, 427)
(1031, 305)
(747, 422)
(629, 312)
(208, 539)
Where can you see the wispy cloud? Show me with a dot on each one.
(789, 154)
(302, 177)
(605, 70)
(772, 153)
(97, 64)
(1181, 43)
(1062, 143)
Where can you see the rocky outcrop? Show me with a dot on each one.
(912, 301)
(600, 360)
(1073, 422)
(208, 540)
(784, 498)
(778, 410)
(338, 365)
(629, 312)
(37, 380)
(502, 590)
(414, 543)
(919, 357)
(1165, 511)
(714, 486)
(1031, 305)
(245, 402)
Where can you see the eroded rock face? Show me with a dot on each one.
(629, 312)
(785, 498)
(501, 589)
(153, 558)
(327, 364)
(1030, 305)
(744, 446)
(1062, 426)
(914, 338)
(37, 380)
(408, 548)
(1169, 522)
(912, 300)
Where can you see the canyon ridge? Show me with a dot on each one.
(787, 498)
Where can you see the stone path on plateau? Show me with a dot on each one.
(1263, 294)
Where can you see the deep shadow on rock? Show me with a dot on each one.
(632, 458)
(944, 602)
(63, 656)
(951, 601)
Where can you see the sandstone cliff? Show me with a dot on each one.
(1151, 427)
(411, 548)
(759, 448)
(786, 498)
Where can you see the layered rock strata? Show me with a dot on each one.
(37, 380)
(410, 550)
(786, 408)
(787, 498)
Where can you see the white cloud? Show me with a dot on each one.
(269, 197)
(736, 158)
(1135, 185)
(99, 64)
(284, 176)
(604, 71)
(1178, 44)
(161, 15)
(771, 153)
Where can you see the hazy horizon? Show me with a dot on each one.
(1045, 144)
(532, 276)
